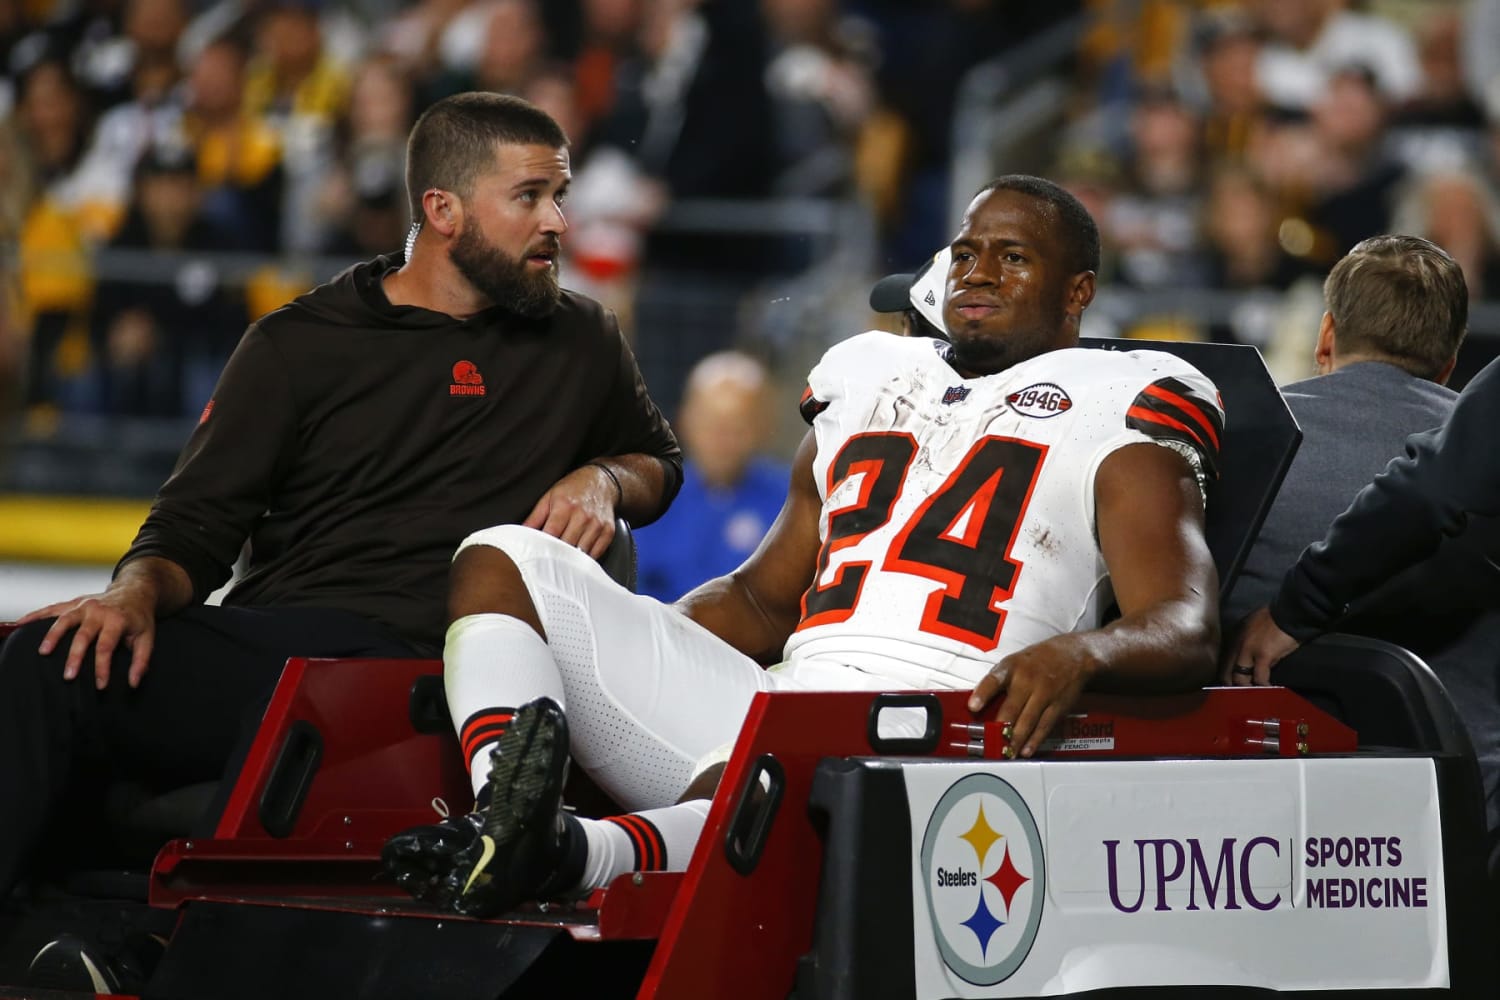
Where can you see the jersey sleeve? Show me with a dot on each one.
(1182, 412)
(860, 361)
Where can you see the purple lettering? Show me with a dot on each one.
(1224, 869)
(1162, 878)
(1245, 887)
(1114, 881)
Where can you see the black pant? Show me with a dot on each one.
(211, 674)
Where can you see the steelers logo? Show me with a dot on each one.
(985, 878)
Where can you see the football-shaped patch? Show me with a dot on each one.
(1043, 400)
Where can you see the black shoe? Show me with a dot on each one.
(520, 852)
(72, 963)
(420, 858)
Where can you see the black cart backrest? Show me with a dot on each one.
(1260, 438)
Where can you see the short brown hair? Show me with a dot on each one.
(453, 142)
(1400, 297)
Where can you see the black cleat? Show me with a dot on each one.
(420, 858)
(520, 849)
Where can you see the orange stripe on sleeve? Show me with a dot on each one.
(1188, 407)
(1141, 413)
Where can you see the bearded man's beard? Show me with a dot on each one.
(505, 280)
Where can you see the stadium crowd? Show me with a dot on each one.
(250, 147)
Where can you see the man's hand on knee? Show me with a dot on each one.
(102, 621)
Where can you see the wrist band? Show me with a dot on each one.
(619, 490)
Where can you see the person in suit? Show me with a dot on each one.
(1397, 312)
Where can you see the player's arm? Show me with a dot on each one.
(1149, 516)
(756, 607)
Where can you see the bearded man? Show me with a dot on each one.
(356, 436)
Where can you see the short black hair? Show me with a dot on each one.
(453, 142)
(1076, 227)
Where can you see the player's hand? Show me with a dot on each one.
(579, 509)
(1040, 683)
(119, 615)
(1259, 646)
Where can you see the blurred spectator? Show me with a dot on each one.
(1240, 221)
(88, 36)
(1228, 49)
(730, 492)
(159, 342)
(292, 84)
(127, 47)
(238, 154)
(1093, 175)
(554, 89)
(56, 280)
(512, 46)
(289, 76)
(822, 92)
(1480, 41)
(416, 36)
(692, 121)
(1335, 173)
(1456, 209)
(1356, 175)
(15, 29)
(929, 50)
(1444, 99)
(1311, 40)
(17, 181)
(17, 188)
(1153, 220)
(360, 206)
(610, 30)
(151, 112)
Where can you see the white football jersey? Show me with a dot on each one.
(958, 514)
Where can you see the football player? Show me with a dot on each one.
(961, 514)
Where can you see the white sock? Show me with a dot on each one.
(492, 665)
(653, 840)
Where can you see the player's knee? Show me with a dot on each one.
(512, 538)
(484, 581)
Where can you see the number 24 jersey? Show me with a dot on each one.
(958, 514)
